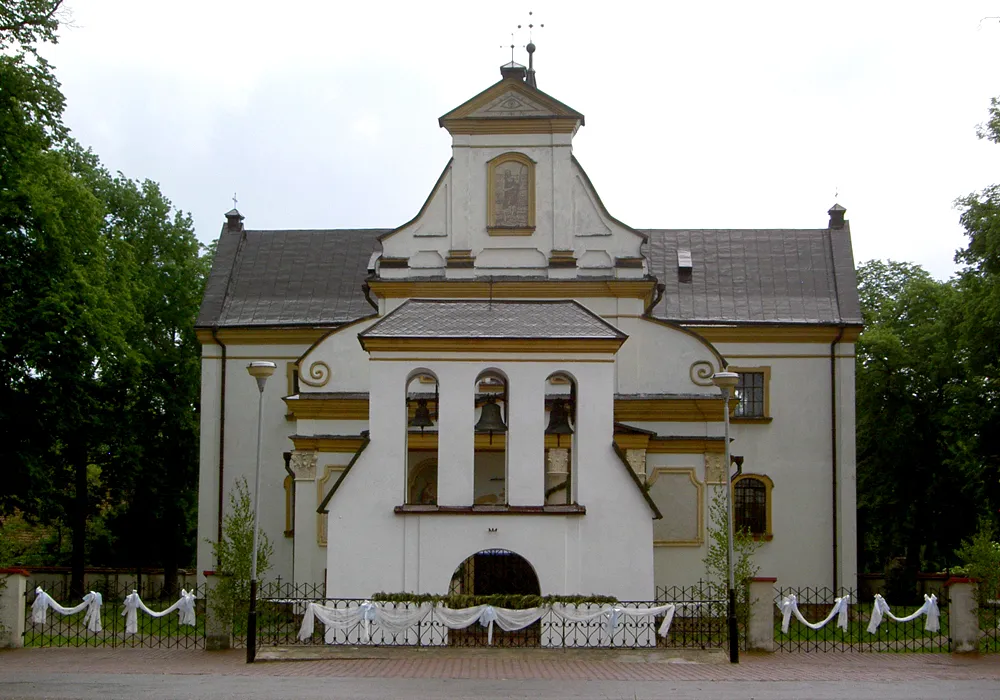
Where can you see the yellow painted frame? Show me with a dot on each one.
(700, 490)
(766, 418)
(491, 216)
(768, 486)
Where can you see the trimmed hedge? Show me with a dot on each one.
(511, 602)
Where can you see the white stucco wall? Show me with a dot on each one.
(570, 553)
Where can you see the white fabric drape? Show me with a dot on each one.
(880, 609)
(184, 606)
(790, 605)
(396, 621)
(91, 603)
(612, 615)
(390, 620)
(508, 619)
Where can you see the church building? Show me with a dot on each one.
(512, 392)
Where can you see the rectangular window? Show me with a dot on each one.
(750, 395)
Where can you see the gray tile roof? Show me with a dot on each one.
(295, 278)
(451, 318)
(763, 275)
(289, 278)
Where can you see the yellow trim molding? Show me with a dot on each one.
(328, 443)
(493, 345)
(262, 336)
(340, 408)
(768, 487)
(683, 410)
(700, 493)
(512, 289)
(685, 446)
(775, 334)
(669, 410)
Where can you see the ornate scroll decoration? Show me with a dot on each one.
(701, 373)
(319, 374)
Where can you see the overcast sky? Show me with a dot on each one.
(699, 114)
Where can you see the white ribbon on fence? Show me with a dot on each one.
(396, 621)
(184, 606)
(343, 619)
(91, 603)
(612, 614)
(509, 620)
(790, 605)
(930, 608)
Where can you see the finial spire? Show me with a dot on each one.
(531, 50)
(234, 200)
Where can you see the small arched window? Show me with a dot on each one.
(560, 407)
(752, 505)
(421, 439)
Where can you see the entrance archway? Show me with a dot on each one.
(495, 572)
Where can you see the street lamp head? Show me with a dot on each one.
(726, 381)
(261, 370)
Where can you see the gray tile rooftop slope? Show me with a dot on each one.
(762, 275)
(288, 278)
(499, 319)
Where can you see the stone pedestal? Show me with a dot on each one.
(218, 625)
(12, 587)
(963, 622)
(760, 635)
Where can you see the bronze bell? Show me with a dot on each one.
(490, 420)
(421, 416)
(559, 421)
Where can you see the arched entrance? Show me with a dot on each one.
(495, 572)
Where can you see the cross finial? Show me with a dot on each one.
(531, 24)
(234, 200)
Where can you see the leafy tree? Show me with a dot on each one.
(920, 485)
(235, 554)
(717, 557)
(100, 281)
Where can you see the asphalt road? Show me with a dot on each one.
(34, 685)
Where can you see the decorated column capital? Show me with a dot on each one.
(303, 465)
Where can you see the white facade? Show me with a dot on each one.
(345, 420)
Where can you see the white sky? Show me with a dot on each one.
(699, 114)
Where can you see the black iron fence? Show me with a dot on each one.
(71, 631)
(816, 604)
(699, 622)
(989, 626)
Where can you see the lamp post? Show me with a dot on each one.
(727, 382)
(259, 371)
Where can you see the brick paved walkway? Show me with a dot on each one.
(507, 664)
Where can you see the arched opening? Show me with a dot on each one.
(560, 409)
(490, 452)
(495, 572)
(421, 439)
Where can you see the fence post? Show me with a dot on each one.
(760, 635)
(963, 620)
(218, 627)
(12, 588)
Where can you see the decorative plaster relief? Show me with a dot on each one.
(303, 465)
(426, 259)
(714, 471)
(637, 460)
(317, 376)
(558, 462)
(680, 497)
(510, 104)
(701, 373)
(595, 259)
(330, 475)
